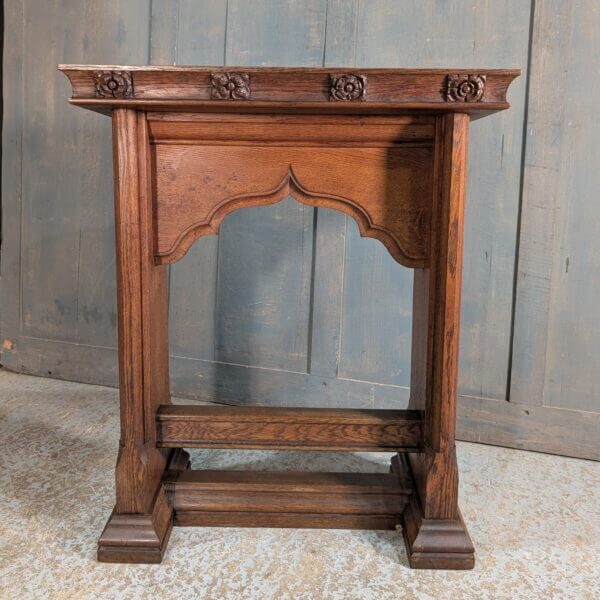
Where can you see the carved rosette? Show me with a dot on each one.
(347, 87)
(465, 88)
(113, 84)
(230, 86)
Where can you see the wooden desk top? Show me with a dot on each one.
(348, 90)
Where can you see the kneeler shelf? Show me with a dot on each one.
(386, 147)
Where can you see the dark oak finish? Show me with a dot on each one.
(289, 428)
(284, 499)
(432, 543)
(437, 291)
(141, 536)
(388, 148)
(137, 537)
(355, 165)
(142, 310)
(293, 88)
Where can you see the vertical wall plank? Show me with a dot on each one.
(276, 32)
(557, 332)
(12, 128)
(198, 38)
(501, 37)
(265, 254)
(112, 32)
(164, 30)
(490, 34)
(376, 327)
(265, 258)
(51, 211)
(544, 153)
(68, 264)
(572, 374)
(330, 226)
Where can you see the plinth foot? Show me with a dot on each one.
(137, 538)
(432, 543)
(142, 538)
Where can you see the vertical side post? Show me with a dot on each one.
(439, 476)
(434, 531)
(138, 529)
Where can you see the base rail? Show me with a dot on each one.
(277, 428)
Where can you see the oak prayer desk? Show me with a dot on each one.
(386, 147)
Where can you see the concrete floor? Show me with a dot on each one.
(535, 520)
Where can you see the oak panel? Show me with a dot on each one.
(408, 88)
(386, 190)
(286, 499)
(288, 428)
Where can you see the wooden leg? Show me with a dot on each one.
(434, 531)
(138, 528)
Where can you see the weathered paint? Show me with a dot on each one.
(559, 267)
(281, 307)
(187, 32)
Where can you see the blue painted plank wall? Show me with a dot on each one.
(280, 308)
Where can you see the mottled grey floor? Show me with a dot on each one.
(535, 520)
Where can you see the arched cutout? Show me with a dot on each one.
(387, 191)
(290, 186)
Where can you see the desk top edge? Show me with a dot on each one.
(326, 70)
(279, 89)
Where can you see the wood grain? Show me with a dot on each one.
(283, 130)
(285, 520)
(441, 543)
(403, 181)
(142, 312)
(384, 189)
(169, 86)
(436, 376)
(288, 428)
(137, 538)
(233, 498)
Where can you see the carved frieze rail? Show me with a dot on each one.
(257, 89)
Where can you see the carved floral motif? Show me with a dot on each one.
(113, 84)
(465, 88)
(347, 87)
(230, 86)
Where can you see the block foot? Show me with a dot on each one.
(142, 538)
(432, 543)
(137, 538)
